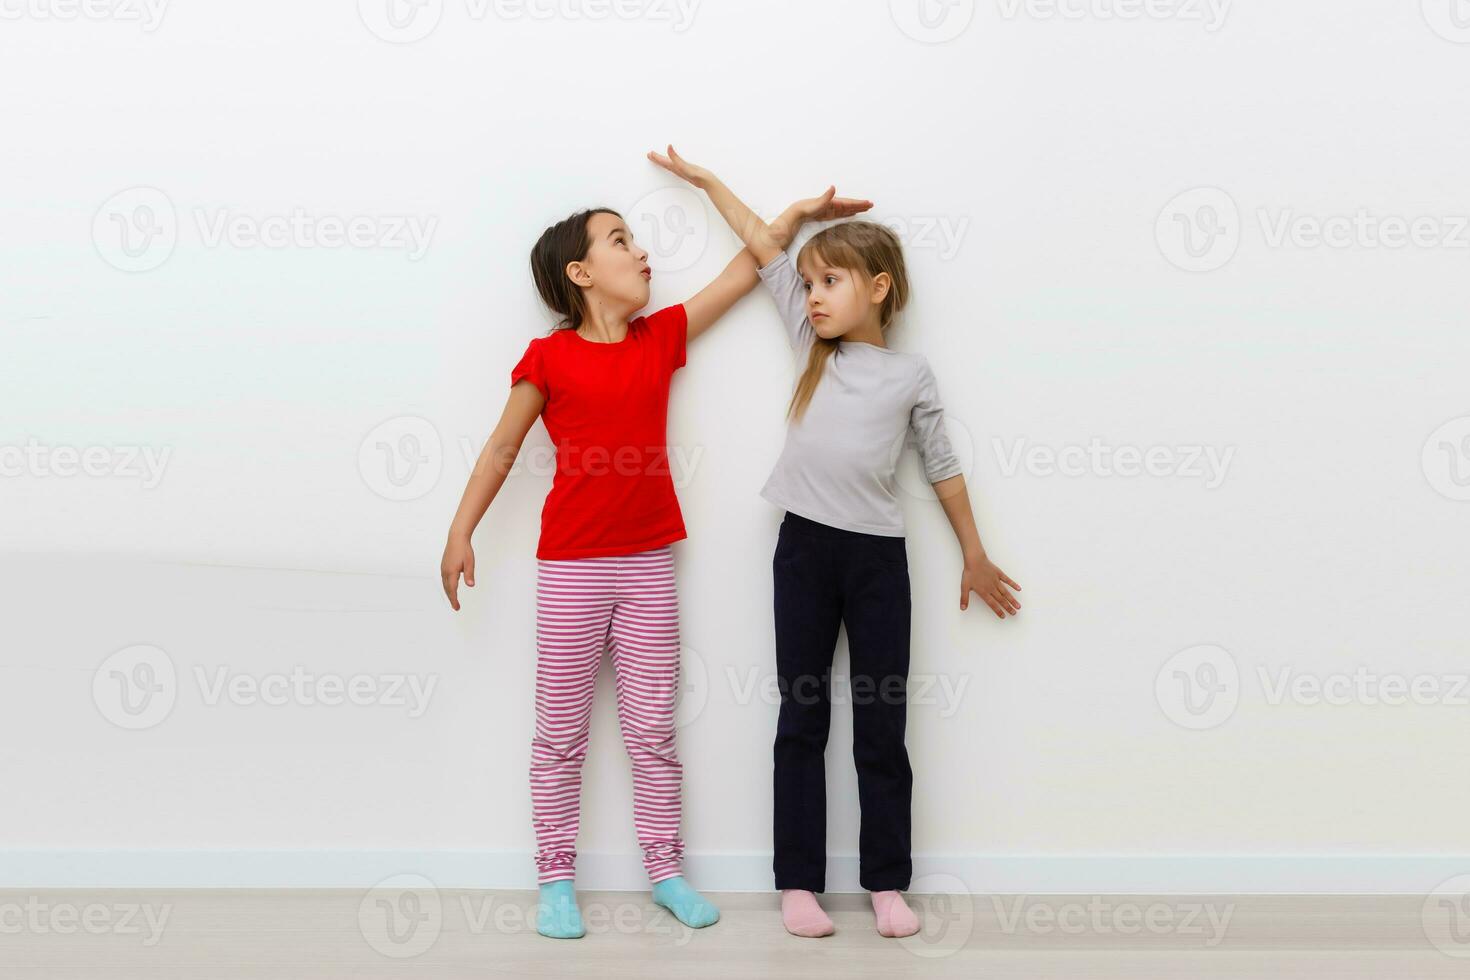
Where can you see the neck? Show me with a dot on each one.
(867, 332)
(604, 324)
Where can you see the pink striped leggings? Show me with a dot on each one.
(583, 605)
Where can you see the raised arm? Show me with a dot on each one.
(763, 240)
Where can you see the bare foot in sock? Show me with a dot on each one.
(802, 916)
(895, 918)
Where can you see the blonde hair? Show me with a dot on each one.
(867, 249)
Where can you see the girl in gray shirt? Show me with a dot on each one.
(840, 557)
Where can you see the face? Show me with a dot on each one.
(841, 300)
(615, 270)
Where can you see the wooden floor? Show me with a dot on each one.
(397, 931)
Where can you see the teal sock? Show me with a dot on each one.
(557, 915)
(688, 906)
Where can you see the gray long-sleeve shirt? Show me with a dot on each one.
(837, 466)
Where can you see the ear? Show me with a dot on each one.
(578, 274)
(882, 282)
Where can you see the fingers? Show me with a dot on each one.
(1008, 600)
(1008, 580)
(469, 569)
(451, 589)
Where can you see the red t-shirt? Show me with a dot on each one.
(606, 411)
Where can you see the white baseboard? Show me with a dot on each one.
(978, 874)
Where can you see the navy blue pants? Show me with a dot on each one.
(824, 578)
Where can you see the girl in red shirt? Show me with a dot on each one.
(605, 569)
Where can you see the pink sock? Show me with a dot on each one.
(895, 918)
(802, 916)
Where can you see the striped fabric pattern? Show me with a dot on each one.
(630, 604)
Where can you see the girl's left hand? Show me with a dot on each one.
(989, 583)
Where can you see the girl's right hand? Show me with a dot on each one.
(679, 167)
(459, 557)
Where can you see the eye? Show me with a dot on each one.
(621, 241)
(830, 280)
(807, 285)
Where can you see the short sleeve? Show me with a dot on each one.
(926, 420)
(789, 292)
(532, 367)
(670, 328)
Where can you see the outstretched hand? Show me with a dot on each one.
(827, 206)
(679, 167)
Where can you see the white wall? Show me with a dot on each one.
(1033, 163)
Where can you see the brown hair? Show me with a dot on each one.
(561, 244)
(866, 249)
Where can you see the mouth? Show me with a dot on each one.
(647, 274)
(818, 316)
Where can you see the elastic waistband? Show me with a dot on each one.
(805, 525)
